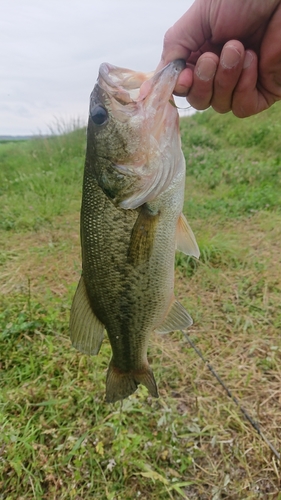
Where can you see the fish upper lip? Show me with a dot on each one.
(173, 68)
(159, 88)
(178, 65)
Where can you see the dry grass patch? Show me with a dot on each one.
(48, 258)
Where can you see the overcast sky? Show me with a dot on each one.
(51, 51)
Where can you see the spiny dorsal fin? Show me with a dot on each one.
(86, 331)
(176, 319)
(185, 239)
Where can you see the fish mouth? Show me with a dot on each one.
(120, 83)
(127, 86)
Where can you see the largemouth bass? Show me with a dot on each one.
(131, 223)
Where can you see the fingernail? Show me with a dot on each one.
(248, 59)
(230, 57)
(206, 69)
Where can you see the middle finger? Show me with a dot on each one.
(227, 75)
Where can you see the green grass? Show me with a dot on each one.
(236, 163)
(40, 179)
(58, 437)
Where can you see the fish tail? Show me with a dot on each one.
(120, 385)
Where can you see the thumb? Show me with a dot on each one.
(187, 35)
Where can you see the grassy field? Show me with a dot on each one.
(58, 437)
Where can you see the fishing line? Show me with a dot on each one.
(254, 424)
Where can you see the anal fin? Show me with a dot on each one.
(177, 318)
(86, 331)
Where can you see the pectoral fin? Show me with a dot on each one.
(176, 319)
(142, 237)
(86, 331)
(185, 239)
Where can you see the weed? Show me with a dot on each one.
(58, 438)
(40, 179)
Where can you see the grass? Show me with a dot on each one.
(39, 180)
(58, 438)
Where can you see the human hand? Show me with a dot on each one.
(233, 55)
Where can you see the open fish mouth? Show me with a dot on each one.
(128, 86)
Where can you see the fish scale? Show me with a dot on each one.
(131, 222)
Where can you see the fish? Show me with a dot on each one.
(131, 223)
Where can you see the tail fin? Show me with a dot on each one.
(120, 385)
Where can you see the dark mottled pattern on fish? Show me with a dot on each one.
(131, 222)
(119, 292)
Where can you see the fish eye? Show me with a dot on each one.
(99, 115)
